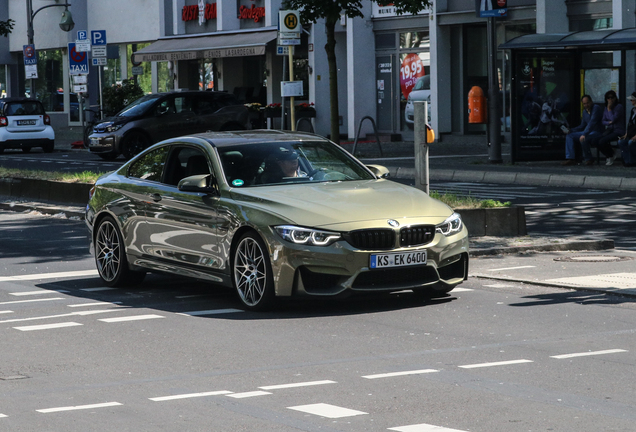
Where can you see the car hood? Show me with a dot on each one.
(345, 205)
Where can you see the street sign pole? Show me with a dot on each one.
(292, 111)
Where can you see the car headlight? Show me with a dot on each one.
(113, 128)
(309, 236)
(452, 225)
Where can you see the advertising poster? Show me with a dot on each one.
(491, 8)
(546, 95)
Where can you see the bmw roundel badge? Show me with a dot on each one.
(393, 223)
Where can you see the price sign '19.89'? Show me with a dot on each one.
(411, 69)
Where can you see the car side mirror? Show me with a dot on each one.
(202, 183)
(379, 171)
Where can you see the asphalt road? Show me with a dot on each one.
(173, 354)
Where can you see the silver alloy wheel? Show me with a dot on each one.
(108, 251)
(250, 271)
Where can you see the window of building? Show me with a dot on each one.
(165, 82)
(415, 67)
(588, 24)
(145, 78)
(3, 81)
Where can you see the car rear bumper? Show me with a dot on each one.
(26, 138)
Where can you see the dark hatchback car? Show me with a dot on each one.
(155, 117)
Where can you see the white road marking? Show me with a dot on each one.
(423, 427)
(130, 318)
(301, 384)
(82, 313)
(79, 407)
(3, 415)
(210, 312)
(571, 216)
(6, 312)
(502, 363)
(403, 373)
(49, 275)
(618, 220)
(188, 296)
(456, 290)
(499, 286)
(326, 410)
(589, 353)
(511, 268)
(189, 395)
(97, 289)
(38, 292)
(248, 394)
(31, 301)
(614, 280)
(48, 326)
(94, 304)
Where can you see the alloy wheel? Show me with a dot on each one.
(108, 251)
(250, 272)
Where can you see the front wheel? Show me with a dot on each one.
(252, 273)
(110, 256)
(134, 143)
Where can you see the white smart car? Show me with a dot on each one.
(421, 92)
(24, 125)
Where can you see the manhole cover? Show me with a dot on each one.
(592, 258)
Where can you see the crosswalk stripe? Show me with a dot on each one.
(189, 395)
(79, 407)
(423, 427)
(49, 275)
(292, 385)
(130, 318)
(47, 326)
(501, 363)
(326, 410)
(395, 374)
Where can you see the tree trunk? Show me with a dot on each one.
(330, 48)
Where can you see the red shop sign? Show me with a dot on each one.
(255, 13)
(192, 12)
(410, 70)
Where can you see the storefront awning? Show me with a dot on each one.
(611, 39)
(207, 47)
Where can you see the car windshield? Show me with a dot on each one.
(424, 83)
(139, 106)
(251, 165)
(24, 108)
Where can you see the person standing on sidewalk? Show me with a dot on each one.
(614, 122)
(590, 126)
(627, 143)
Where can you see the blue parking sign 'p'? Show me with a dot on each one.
(82, 35)
(98, 37)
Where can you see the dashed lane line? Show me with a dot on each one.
(31, 301)
(3, 416)
(403, 373)
(248, 394)
(94, 304)
(511, 268)
(6, 312)
(130, 318)
(49, 275)
(589, 353)
(189, 395)
(97, 289)
(210, 312)
(501, 363)
(327, 410)
(38, 292)
(301, 384)
(78, 407)
(48, 326)
(81, 313)
(423, 427)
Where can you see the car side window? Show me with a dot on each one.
(205, 106)
(149, 166)
(185, 162)
(182, 104)
(165, 107)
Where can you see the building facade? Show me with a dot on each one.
(383, 58)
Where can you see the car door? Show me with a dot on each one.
(171, 117)
(183, 226)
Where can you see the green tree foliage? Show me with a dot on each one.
(6, 27)
(118, 96)
(331, 10)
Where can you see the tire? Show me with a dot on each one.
(87, 131)
(26, 149)
(110, 256)
(108, 156)
(134, 143)
(48, 148)
(252, 273)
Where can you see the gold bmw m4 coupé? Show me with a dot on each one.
(272, 214)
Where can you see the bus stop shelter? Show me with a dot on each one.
(550, 74)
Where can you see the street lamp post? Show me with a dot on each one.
(66, 24)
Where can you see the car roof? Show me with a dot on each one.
(226, 139)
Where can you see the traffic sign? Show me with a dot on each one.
(98, 37)
(99, 51)
(288, 41)
(289, 21)
(100, 61)
(82, 88)
(30, 57)
(283, 50)
(82, 45)
(82, 35)
(78, 61)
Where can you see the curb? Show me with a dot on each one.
(574, 245)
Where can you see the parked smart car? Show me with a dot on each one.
(24, 125)
(159, 116)
(421, 92)
(273, 214)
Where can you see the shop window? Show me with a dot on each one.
(385, 41)
(165, 82)
(206, 75)
(414, 40)
(144, 79)
(591, 24)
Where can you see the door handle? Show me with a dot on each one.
(155, 197)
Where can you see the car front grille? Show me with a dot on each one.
(416, 235)
(369, 239)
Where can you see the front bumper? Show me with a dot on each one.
(103, 143)
(332, 270)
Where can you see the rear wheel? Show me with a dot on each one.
(134, 143)
(26, 149)
(252, 273)
(110, 256)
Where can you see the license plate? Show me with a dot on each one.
(26, 122)
(397, 259)
(95, 142)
